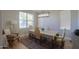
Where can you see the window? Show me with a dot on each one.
(65, 21)
(22, 20)
(25, 20)
(44, 22)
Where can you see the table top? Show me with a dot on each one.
(50, 33)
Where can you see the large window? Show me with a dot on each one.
(22, 20)
(25, 20)
(65, 21)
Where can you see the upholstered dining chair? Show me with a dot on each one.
(61, 41)
(37, 34)
(7, 31)
(58, 41)
(11, 37)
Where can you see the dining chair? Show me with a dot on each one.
(37, 35)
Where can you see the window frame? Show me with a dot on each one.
(27, 20)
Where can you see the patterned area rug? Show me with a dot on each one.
(31, 44)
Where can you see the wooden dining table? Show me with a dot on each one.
(49, 35)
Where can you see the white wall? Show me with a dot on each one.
(11, 16)
(78, 19)
(75, 25)
(35, 20)
(1, 41)
(74, 20)
(4, 17)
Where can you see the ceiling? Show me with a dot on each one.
(45, 11)
(42, 11)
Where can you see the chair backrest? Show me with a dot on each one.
(7, 31)
(59, 40)
(37, 32)
(64, 34)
